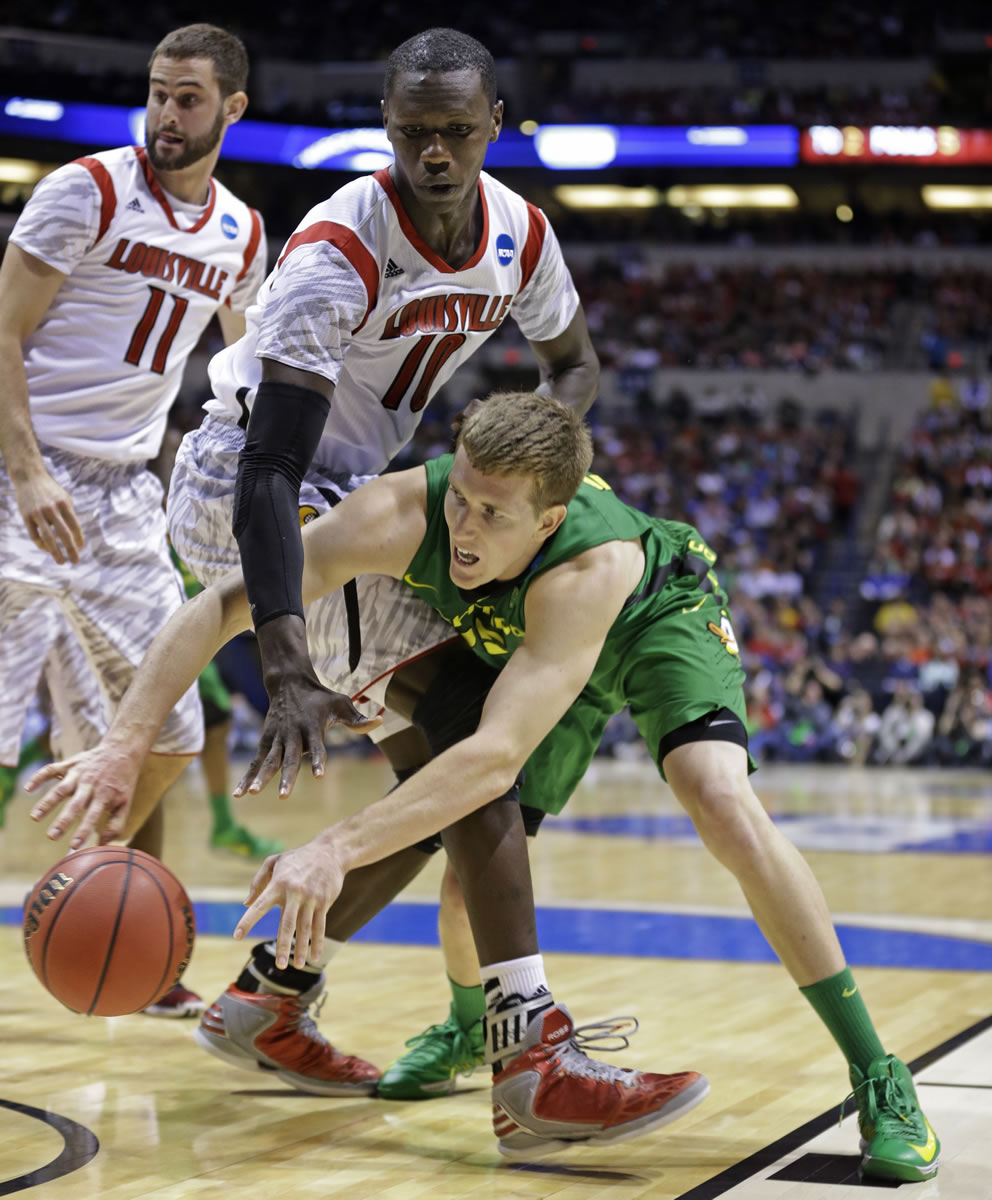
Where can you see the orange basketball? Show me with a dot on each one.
(107, 930)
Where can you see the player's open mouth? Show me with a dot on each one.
(464, 559)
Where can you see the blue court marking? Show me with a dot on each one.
(636, 934)
(809, 831)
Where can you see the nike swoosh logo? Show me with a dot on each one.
(930, 1149)
(847, 993)
(413, 583)
(712, 723)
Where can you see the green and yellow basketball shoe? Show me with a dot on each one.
(435, 1058)
(896, 1139)
(238, 840)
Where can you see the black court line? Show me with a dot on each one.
(80, 1145)
(748, 1167)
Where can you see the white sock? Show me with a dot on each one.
(331, 947)
(518, 977)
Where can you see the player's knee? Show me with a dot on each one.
(727, 816)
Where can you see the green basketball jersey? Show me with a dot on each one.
(677, 572)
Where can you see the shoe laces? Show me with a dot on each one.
(889, 1107)
(460, 1044)
(608, 1037)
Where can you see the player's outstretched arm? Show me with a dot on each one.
(96, 786)
(569, 366)
(541, 680)
(27, 289)
(376, 530)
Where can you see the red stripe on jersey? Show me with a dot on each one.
(156, 190)
(350, 245)
(385, 181)
(256, 237)
(108, 197)
(533, 246)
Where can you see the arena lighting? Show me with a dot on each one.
(370, 147)
(33, 110)
(729, 195)
(940, 196)
(22, 170)
(606, 195)
(576, 147)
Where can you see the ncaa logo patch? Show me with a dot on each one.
(228, 226)
(307, 514)
(505, 250)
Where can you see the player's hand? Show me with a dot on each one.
(304, 883)
(50, 518)
(95, 787)
(301, 709)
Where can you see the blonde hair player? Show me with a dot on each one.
(586, 605)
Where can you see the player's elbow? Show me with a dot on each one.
(494, 764)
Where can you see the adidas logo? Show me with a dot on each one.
(392, 270)
(135, 205)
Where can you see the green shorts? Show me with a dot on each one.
(684, 664)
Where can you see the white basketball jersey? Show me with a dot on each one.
(145, 273)
(359, 298)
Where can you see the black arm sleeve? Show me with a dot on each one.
(283, 433)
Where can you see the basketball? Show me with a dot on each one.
(107, 930)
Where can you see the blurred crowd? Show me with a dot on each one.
(707, 29)
(798, 317)
(758, 104)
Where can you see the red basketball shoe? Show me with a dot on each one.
(262, 1031)
(553, 1095)
(178, 1001)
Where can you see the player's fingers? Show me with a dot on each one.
(43, 538)
(345, 713)
(89, 825)
(114, 826)
(291, 759)
(304, 927)
(318, 754)
(55, 770)
(317, 934)
(72, 812)
(65, 539)
(287, 927)
(261, 751)
(256, 911)
(71, 523)
(271, 763)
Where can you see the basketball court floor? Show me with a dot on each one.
(634, 919)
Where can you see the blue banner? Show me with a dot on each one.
(310, 147)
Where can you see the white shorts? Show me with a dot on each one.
(85, 627)
(395, 626)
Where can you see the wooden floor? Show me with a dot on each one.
(635, 918)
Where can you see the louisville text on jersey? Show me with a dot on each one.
(461, 313)
(155, 263)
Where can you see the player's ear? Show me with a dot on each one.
(551, 518)
(496, 121)
(234, 107)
